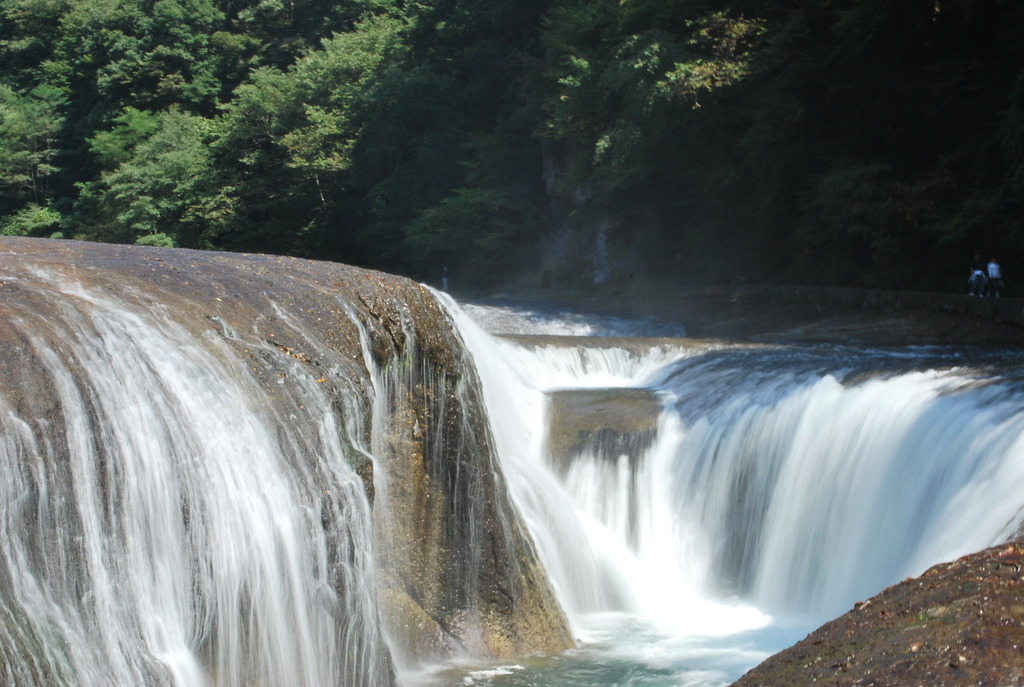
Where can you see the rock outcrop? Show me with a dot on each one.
(960, 623)
(456, 569)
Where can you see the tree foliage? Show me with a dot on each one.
(853, 142)
(29, 126)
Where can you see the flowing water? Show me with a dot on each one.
(167, 526)
(174, 513)
(775, 487)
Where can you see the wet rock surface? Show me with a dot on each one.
(960, 623)
(457, 572)
(607, 423)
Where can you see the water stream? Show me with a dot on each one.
(178, 506)
(775, 488)
(168, 526)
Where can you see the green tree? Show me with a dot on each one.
(28, 29)
(131, 128)
(137, 53)
(271, 207)
(331, 83)
(32, 220)
(167, 192)
(30, 124)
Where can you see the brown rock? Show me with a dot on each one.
(958, 624)
(456, 568)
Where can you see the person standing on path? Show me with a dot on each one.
(995, 279)
(977, 279)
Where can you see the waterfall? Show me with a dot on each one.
(807, 488)
(303, 487)
(585, 521)
(246, 470)
(772, 485)
(166, 522)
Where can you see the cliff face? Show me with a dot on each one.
(455, 569)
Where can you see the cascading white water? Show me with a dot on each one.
(811, 489)
(782, 486)
(172, 516)
(174, 531)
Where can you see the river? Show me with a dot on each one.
(184, 501)
(771, 487)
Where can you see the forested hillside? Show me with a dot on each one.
(842, 142)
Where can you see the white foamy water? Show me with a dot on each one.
(162, 527)
(172, 515)
(782, 485)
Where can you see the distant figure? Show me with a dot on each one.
(444, 279)
(977, 279)
(995, 279)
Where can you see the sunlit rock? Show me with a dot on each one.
(244, 469)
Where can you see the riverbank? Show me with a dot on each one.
(800, 316)
(804, 314)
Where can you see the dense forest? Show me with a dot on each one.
(839, 142)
